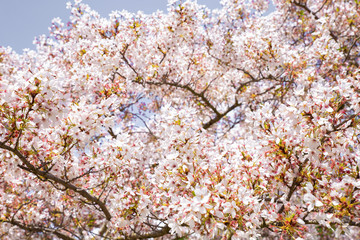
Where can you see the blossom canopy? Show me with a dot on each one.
(191, 124)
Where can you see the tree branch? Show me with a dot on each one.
(39, 230)
(48, 176)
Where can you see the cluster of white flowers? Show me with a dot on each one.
(193, 124)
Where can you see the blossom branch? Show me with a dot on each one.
(52, 178)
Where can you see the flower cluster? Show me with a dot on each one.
(192, 124)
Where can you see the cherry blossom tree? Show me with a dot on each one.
(190, 124)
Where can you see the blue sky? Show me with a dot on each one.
(22, 20)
